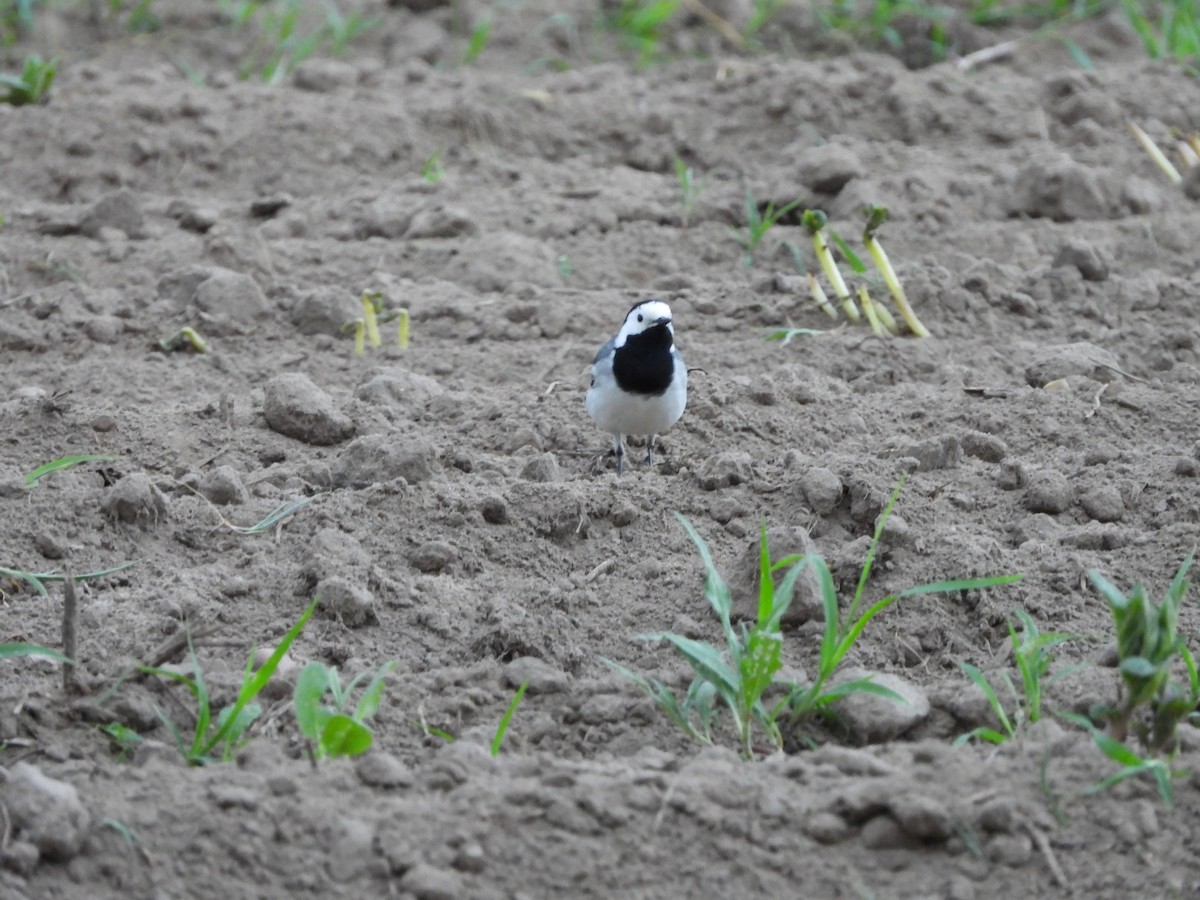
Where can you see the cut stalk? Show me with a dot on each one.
(1190, 157)
(360, 337)
(1156, 154)
(885, 316)
(370, 322)
(876, 216)
(402, 329)
(814, 221)
(820, 297)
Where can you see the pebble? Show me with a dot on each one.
(1015, 849)
(1048, 491)
(1081, 359)
(433, 556)
(986, 447)
(119, 210)
(104, 329)
(349, 602)
(383, 770)
(827, 168)
(744, 579)
(494, 510)
(874, 719)
(45, 812)
(1052, 185)
(230, 302)
(323, 310)
(1103, 503)
(352, 853)
(541, 677)
(322, 76)
(884, 833)
(438, 221)
(426, 882)
(223, 486)
(297, 408)
(1084, 256)
(135, 499)
(935, 453)
(822, 489)
(922, 817)
(725, 469)
(378, 458)
(332, 552)
(827, 828)
(49, 546)
(542, 468)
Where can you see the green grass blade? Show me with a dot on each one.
(342, 736)
(983, 733)
(852, 258)
(277, 516)
(981, 682)
(502, 727)
(960, 584)
(874, 547)
(705, 659)
(859, 686)
(65, 462)
(9, 651)
(853, 632)
(310, 689)
(368, 703)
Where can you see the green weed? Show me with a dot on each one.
(331, 728)
(11, 651)
(785, 335)
(286, 35)
(640, 24)
(1131, 762)
(1169, 30)
(1034, 655)
(478, 40)
(739, 675)
(217, 738)
(432, 170)
(38, 580)
(758, 223)
(64, 462)
(502, 726)
(32, 86)
(124, 739)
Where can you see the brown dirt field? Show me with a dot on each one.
(464, 513)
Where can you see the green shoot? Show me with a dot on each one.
(124, 739)
(814, 221)
(217, 738)
(1131, 762)
(32, 86)
(689, 189)
(478, 40)
(1148, 644)
(333, 729)
(274, 518)
(38, 580)
(876, 216)
(431, 169)
(640, 24)
(186, 338)
(819, 296)
(502, 727)
(62, 463)
(11, 651)
(758, 223)
(366, 327)
(1033, 653)
(1176, 35)
(785, 335)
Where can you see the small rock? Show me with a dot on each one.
(45, 812)
(876, 719)
(1080, 253)
(332, 552)
(827, 168)
(135, 499)
(884, 833)
(382, 770)
(378, 458)
(823, 490)
(782, 540)
(1054, 186)
(20, 857)
(324, 75)
(229, 302)
(223, 486)
(104, 329)
(1048, 491)
(494, 510)
(234, 796)
(347, 601)
(542, 468)
(600, 709)
(425, 882)
(541, 677)
(433, 556)
(1185, 466)
(399, 389)
(387, 216)
(922, 817)
(1013, 850)
(1103, 503)
(199, 219)
(352, 851)
(49, 546)
(297, 408)
(1011, 476)
(931, 454)
(1061, 361)
(731, 467)
(323, 310)
(119, 210)
(827, 828)
(986, 447)
(439, 221)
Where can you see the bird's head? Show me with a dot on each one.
(652, 316)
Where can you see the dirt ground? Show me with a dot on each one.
(465, 520)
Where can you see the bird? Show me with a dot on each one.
(639, 380)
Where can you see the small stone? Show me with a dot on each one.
(350, 603)
(425, 882)
(725, 469)
(323, 310)
(986, 447)
(104, 329)
(1185, 466)
(543, 468)
(922, 817)
(470, 857)
(49, 546)
(827, 828)
(1103, 503)
(229, 302)
(942, 452)
(297, 408)
(199, 219)
(383, 770)
(20, 857)
(782, 540)
(1048, 491)
(827, 168)
(823, 490)
(1011, 476)
(439, 221)
(1080, 253)
(896, 531)
(600, 709)
(1054, 363)
(352, 851)
(494, 510)
(399, 389)
(135, 499)
(324, 75)
(223, 486)
(1015, 849)
(1052, 185)
(875, 719)
(234, 796)
(45, 812)
(387, 216)
(539, 675)
(332, 552)
(119, 210)
(433, 556)
(378, 458)
(884, 833)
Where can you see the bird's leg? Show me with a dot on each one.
(650, 451)
(619, 450)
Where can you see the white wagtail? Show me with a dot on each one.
(639, 381)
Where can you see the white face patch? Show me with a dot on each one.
(641, 317)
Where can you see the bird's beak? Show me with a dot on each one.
(665, 320)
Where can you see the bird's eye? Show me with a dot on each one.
(639, 317)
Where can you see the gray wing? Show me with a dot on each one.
(602, 364)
